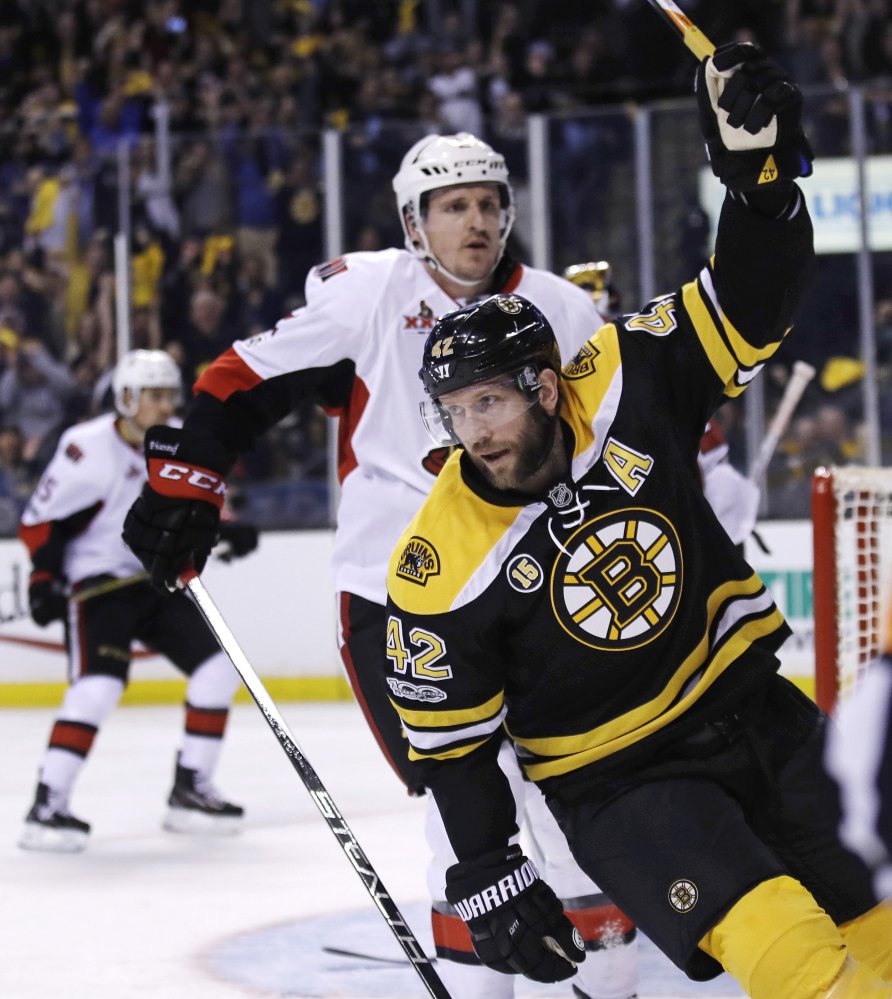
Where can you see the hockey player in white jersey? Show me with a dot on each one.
(85, 575)
(357, 347)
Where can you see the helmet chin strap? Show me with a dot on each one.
(436, 265)
(422, 249)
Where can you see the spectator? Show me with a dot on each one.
(49, 224)
(177, 287)
(207, 334)
(299, 215)
(259, 307)
(256, 161)
(33, 394)
(455, 84)
(16, 480)
(152, 196)
(21, 308)
(146, 265)
(203, 186)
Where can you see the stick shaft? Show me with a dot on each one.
(801, 375)
(322, 799)
(690, 34)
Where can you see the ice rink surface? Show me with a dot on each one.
(145, 913)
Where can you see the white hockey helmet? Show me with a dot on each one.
(443, 161)
(140, 369)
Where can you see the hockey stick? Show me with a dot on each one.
(801, 375)
(323, 801)
(358, 955)
(690, 34)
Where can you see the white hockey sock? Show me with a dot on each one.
(208, 696)
(88, 702)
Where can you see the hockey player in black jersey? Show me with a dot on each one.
(566, 580)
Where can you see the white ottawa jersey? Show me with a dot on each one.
(96, 474)
(376, 309)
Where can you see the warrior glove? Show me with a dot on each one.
(751, 118)
(175, 521)
(46, 599)
(516, 922)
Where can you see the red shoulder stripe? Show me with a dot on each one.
(225, 376)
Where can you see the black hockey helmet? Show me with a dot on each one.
(504, 334)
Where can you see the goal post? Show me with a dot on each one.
(852, 545)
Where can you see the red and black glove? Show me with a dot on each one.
(46, 599)
(751, 119)
(517, 923)
(175, 520)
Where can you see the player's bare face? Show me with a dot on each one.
(509, 440)
(462, 225)
(156, 405)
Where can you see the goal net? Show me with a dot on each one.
(852, 523)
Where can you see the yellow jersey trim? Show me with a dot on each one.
(448, 719)
(576, 750)
(453, 511)
(588, 392)
(451, 754)
(719, 356)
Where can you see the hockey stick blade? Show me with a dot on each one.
(684, 27)
(336, 823)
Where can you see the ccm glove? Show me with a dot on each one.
(516, 922)
(46, 599)
(175, 520)
(239, 539)
(751, 118)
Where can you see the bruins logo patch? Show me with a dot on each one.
(583, 362)
(418, 562)
(683, 895)
(617, 582)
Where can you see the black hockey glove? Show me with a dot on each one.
(238, 539)
(46, 599)
(175, 520)
(516, 922)
(751, 118)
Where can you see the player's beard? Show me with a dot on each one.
(531, 455)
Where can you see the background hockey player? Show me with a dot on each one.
(578, 589)
(733, 498)
(84, 575)
(859, 755)
(357, 346)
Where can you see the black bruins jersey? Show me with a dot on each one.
(602, 619)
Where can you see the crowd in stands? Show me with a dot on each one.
(220, 242)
